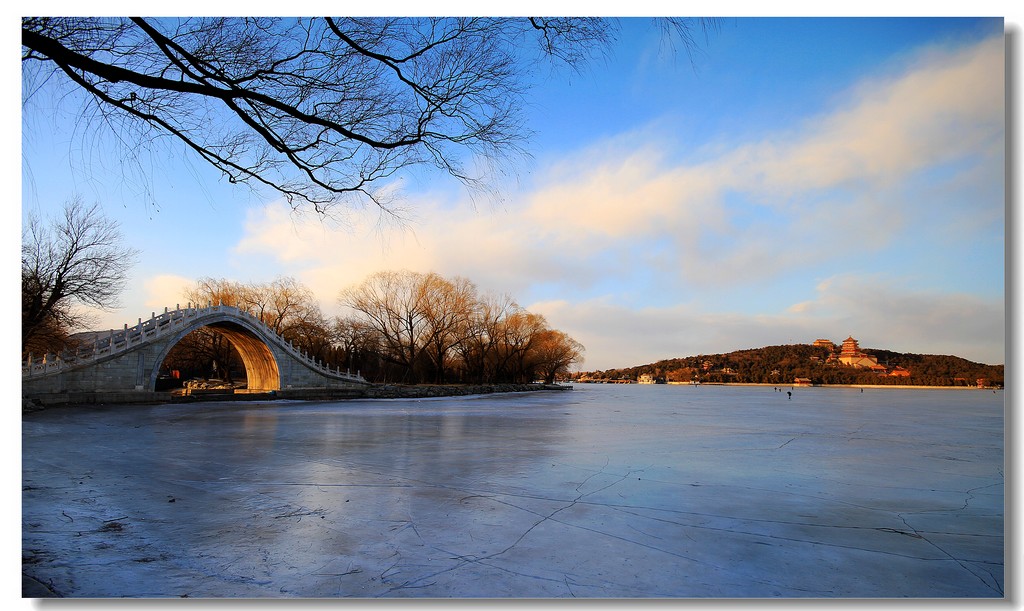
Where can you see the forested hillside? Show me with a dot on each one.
(783, 364)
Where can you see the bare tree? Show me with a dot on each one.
(554, 352)
(393, 304)
(479, 350)
(79, 259)
(357, 344)
(322, 110)
(448, 307)
(205, 351)
(285, 305)
(216, 291)
(518, 335)
(309, 331)
(428, 325)
(278, 303)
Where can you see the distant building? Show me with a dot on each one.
(851, 355)
(850, 347)
(645, 378)
(802, 382)
(824, 343)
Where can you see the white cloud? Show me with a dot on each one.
(884, 311)
(166, 291)
(622, 191)
(878, 310)
(140, 301)
(843, 174)
(324, 254)
(825, 191)
(618, 336)
(947, 105)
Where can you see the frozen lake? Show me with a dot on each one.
(604, 491)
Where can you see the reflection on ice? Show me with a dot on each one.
(605, 491)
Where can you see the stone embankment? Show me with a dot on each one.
(376, 391)
(401, 391)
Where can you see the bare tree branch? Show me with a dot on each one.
(323, 111)
(78, 259)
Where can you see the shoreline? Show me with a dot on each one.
(420, 391)
(795, 386)
(33, 403)
(872, 386)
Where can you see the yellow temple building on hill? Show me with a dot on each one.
(851, 355)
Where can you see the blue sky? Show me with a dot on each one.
(794, 179)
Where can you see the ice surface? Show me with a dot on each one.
(604, 491)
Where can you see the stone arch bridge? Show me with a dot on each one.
(128, 362)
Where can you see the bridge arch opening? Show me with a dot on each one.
(261, 368)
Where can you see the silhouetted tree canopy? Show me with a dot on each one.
(415, 327)
(76, 259)
(322, 110)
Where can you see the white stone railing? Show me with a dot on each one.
(117, 342)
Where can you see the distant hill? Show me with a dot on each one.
(783, 364)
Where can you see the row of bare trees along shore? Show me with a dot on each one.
(400, 327)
